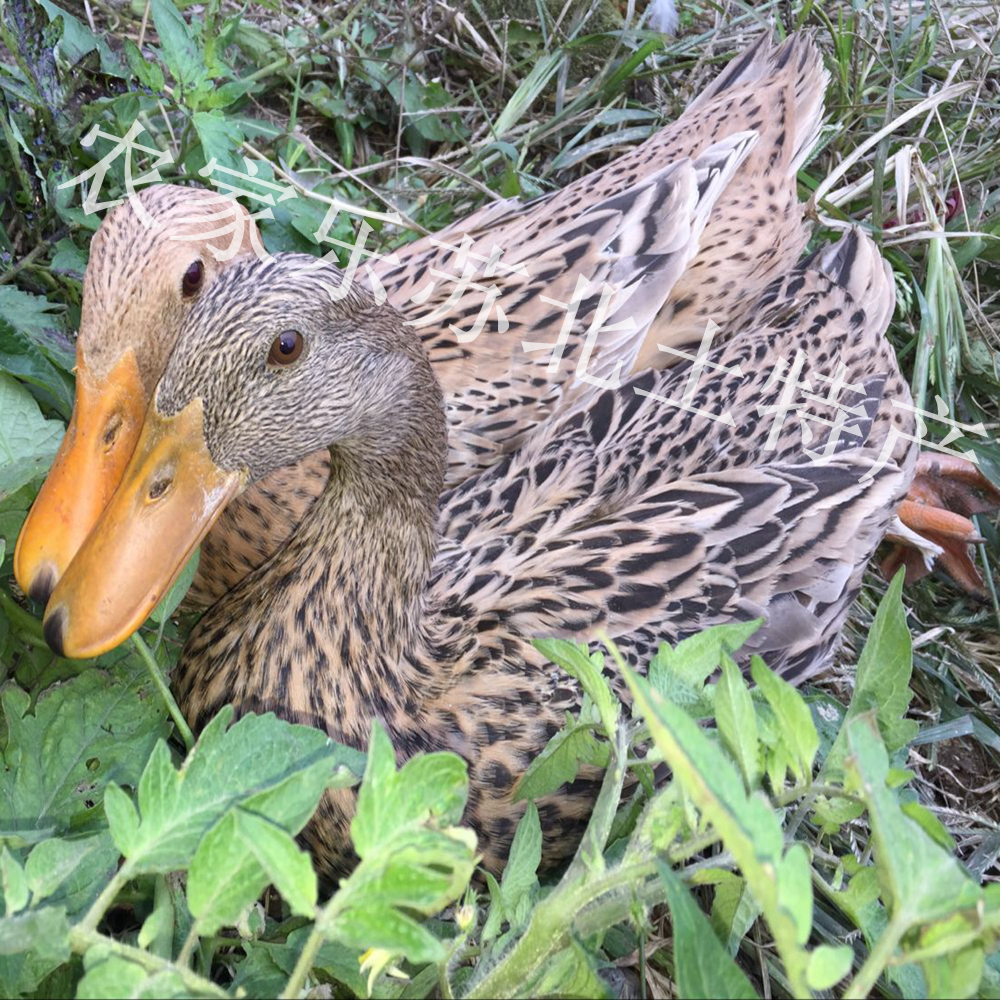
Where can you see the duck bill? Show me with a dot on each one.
(102, 433)
(170, 496)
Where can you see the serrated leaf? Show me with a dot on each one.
(177, 44)
(737, 720)
(43, 931)
(795, 721)
(28, 441)
(920, 881)
(13, 882)
(53, 861)
(587, 669)
(23, 359)
(520, 875)
(696, 658)
(702, 968)
(226, 768)
(733, 911)
(109, 977)
(220, 139)
(123, 820)
(559, 763)
(882, 681)
(98, 727)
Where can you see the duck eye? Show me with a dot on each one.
(286, 348)
(193, 278)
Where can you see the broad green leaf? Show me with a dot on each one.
(53, 861)
(882, 681)
(261, 759)
(920, 881)
(795, 721)
(696, 658)
(828, 964)
(587, 669)
(737, 720)
(43, 931)
(77, 40)
(236, 860)
(13, 882)
(429, 787)
(177, 44)
(733, 911)
(955, 976)
(748, 826)
(173, 597)
(148, 73)
(154, 925)
(571, 972)
(28, 441)
(220, 139)
(702, 967)
(23, 359)
(123, 819)
(559, 763)
(519, 877)
(109, 977)
(96, 728)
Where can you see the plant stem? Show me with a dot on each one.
(81, 939)
(24, 619)
(863, 983)
(311, 948)
(190, 943)
(100, 906)
(154, 671)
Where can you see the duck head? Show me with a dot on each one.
(276, 360)
(144, 275)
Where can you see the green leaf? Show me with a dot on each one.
(733, 911)
(98, 727)
(43, 931)
(519, 877)
(882, 681)
(737, 721)
(702, 968)
(21, 358)
(28, 441)
(42, 322)
(148, 73)
(795, 721)
(748, 826)
(587, 669)
(828, 964)
(430, 787)
(173, 597)
(260, 761)
(109, 977)
(77, 40)
(123, 819)
(53, 861)
(236, 860)
(696, 658)
(220, 138)
(177, 43)
(920, 881)
(571, 972)
(13, 882)
(559, 763)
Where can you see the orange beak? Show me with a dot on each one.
(101, 436)
(170, 496)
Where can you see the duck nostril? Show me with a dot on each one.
(159, 488)
(111, 431)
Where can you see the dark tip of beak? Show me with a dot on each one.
(44, 583)
(55, 625)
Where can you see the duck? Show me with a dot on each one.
(712, 196)
(657, 508)
(726, 244)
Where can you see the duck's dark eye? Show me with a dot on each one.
(286, 348)
(193, 278)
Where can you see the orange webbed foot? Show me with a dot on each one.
(933, 523)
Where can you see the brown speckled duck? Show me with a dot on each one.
(718, 248)
(402, 601)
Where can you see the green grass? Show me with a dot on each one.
(432, 113)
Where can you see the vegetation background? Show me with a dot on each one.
(843, 840)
